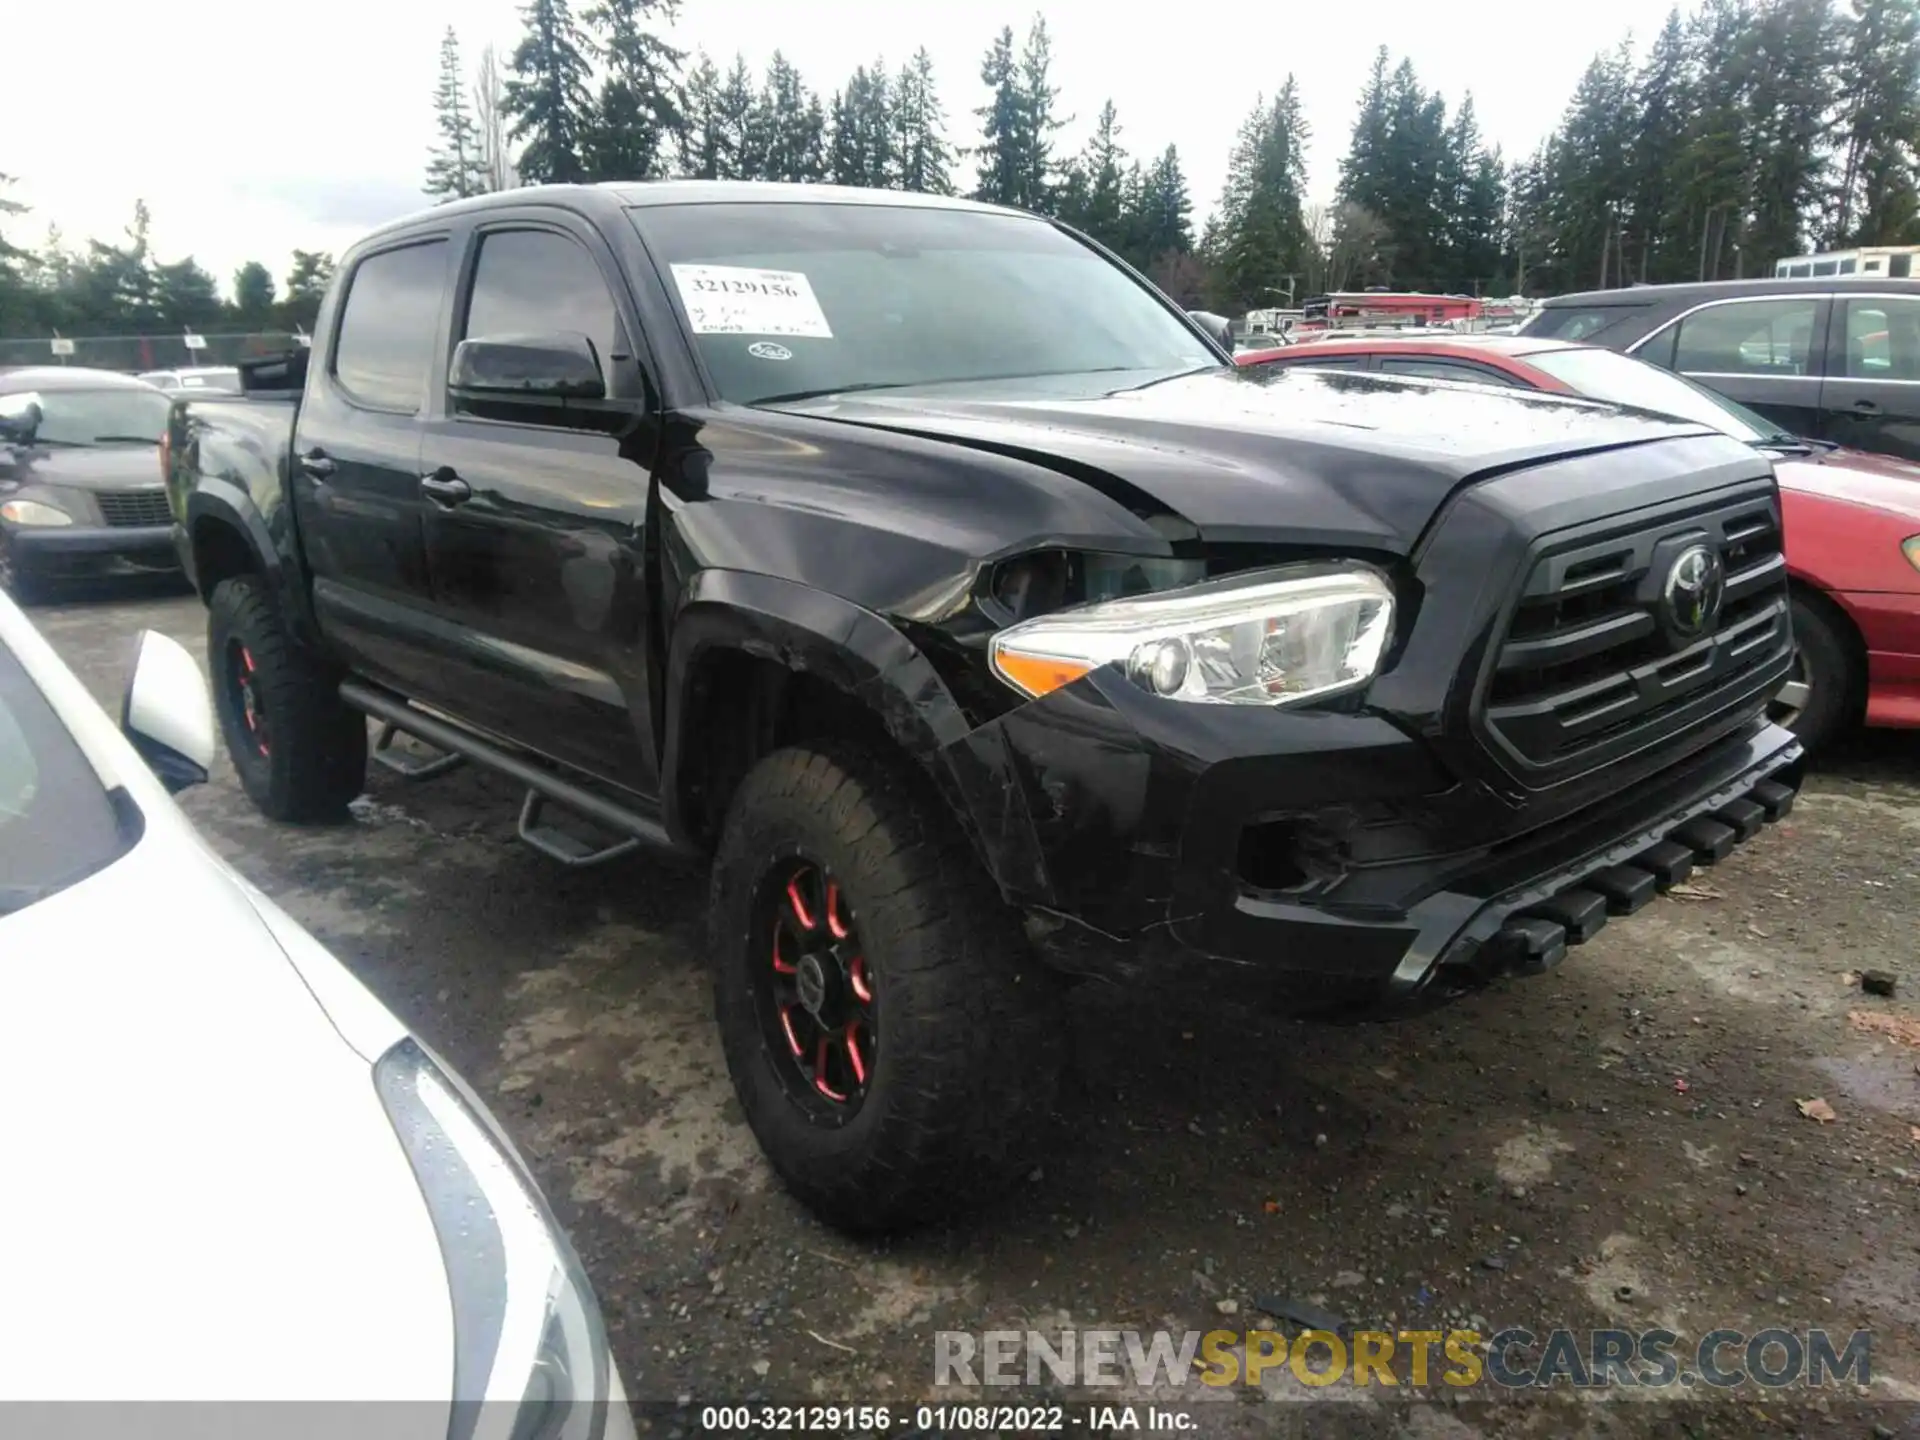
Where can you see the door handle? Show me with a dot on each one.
(317, 463)
(1865, 407)
(446, 488)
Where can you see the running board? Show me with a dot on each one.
(385, 756)
(542, 784)
(563, 845)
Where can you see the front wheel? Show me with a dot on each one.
(15, 578)
(893, 1041)
(1821, 693)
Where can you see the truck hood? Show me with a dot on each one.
(210, 1202)
(91, 467)
(1253, 454)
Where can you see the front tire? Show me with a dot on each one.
(1822, 692)
(892, 1038)
(15, 578)
(301, 753)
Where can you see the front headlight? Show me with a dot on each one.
(33, 512)
(527, 1329)
(1271, 637)
(1910, 547)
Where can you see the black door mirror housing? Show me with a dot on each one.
(548, 369)
(1219, 329)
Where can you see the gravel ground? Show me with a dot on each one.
(1618, 1143)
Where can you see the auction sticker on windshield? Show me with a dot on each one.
(735, 300)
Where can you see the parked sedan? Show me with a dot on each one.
(81, 490)
(1836, 357)
(1852, 519)
(247, 1180)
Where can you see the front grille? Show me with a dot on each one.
(1592, 665)
(134, 507)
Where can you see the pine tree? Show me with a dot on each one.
(733, 122)
(1260, 241)
(1036, 178)
(1879, 84)
(703, 141)
(861, 140)
(185, 296)
(547, 97)
(638, 109)
(1792, 103)
(16, 300)
(1093, 195)
(785, 129)
(923, 159)
(1002, 126)
(1663, 98)
(454, 169)
(253, 292)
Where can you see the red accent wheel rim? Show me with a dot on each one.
(817, 989)
(246, 698)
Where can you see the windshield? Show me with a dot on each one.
(791, 299)
(96, 417)
(57, 825)
(1606, 375)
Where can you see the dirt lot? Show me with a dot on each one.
(1616, 1143)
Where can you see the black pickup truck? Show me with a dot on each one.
(926, 568)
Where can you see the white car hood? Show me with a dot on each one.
(205, 1199)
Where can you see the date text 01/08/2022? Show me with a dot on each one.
(940, 1419)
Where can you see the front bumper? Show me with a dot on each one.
(50, 550)
(1330, 857)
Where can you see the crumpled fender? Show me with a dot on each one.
(862, 655)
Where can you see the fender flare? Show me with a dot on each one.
(222, 502)
(860, 654)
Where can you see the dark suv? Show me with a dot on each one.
(933, 573)
(1835, 357)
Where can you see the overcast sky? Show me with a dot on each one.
(251, 128)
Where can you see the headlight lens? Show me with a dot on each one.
(527, 1328)
(33, 512)
(1273, 637)
(1910, 547)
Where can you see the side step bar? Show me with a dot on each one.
(542, 784)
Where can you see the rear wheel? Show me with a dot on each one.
(893, 1041)
(300, 752)
(1821, 693)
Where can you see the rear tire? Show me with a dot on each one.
(1822, 694)
(300, 752)
(967, 1028)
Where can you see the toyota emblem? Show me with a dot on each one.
(1695, 587)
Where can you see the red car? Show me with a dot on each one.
(1852, 519)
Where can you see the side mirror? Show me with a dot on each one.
(167, 714)
(1219, 329)
(527, 368)
(20, 416)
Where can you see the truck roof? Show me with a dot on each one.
(642, 193)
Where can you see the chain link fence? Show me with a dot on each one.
(134, 353)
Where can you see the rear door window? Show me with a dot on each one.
(390, 326)
(1882, 340)
(1754, 337)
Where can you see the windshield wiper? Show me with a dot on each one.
(126, 439)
